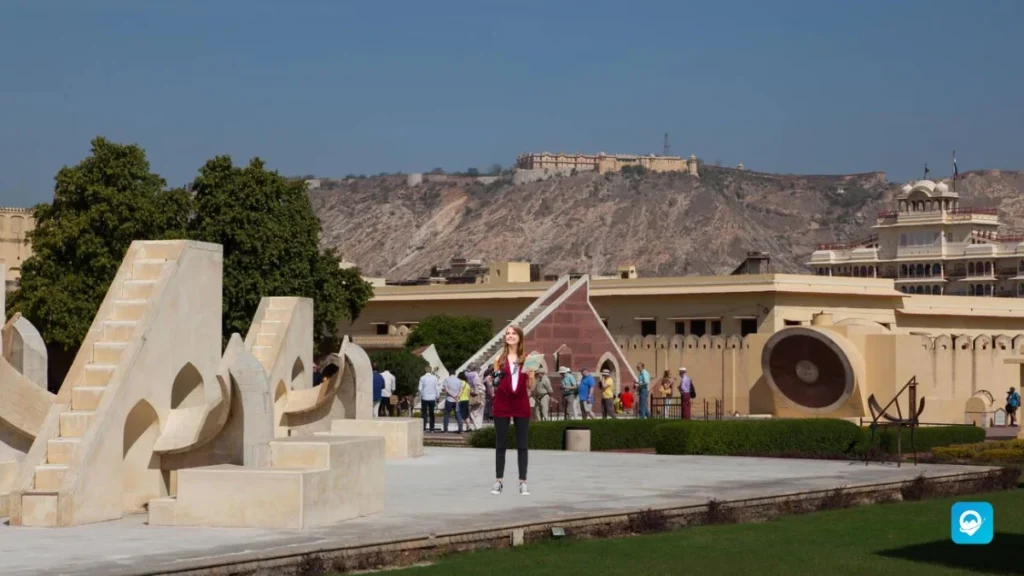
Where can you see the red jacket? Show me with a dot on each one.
(509, 404)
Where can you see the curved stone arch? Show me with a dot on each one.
(676, 342)
(943, 342)
(962, 342)
(141, 480)
(690, 342)
(704, 342)
(187, 388)
(717, 342)
(660, 342)
(648, 342)
(1018, 344)
(982, 342)
(622, 342)
(927, 342)
(1003, 342)
(610, 358)
(733, 342)
(403, 330)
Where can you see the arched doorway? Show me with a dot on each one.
(609, 363)
(141, 477)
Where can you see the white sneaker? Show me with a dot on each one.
(523, 490)
(496, 489)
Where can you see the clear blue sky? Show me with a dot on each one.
(367, 86)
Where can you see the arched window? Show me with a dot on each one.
(936, 290)
(970, 290)
(936, 270)
(920, 270)
(988, 290)
(970, 268)
(988, 268)
(903, 269)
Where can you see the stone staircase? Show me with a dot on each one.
(491, 350)
(132, 296)
(270, 331)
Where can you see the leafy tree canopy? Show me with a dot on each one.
(99, 207)
(456, 338)
(406, 366)
(265, 223)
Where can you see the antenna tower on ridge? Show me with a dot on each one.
(667, 150)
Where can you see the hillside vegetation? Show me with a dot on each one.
(665, 224)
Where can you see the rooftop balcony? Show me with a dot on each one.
(965, 214)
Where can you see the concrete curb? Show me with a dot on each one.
(320, 558)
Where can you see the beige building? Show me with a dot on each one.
(603, 163)
(14, 248)
(719, 327)
(929, 244)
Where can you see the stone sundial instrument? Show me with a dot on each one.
(879, 413)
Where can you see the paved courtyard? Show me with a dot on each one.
(446, 491)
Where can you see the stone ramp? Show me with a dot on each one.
(447, 493)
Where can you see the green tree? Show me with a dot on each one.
(406, 366)
(456, 338)
(99, 207)
(472, 172)
(271, 240)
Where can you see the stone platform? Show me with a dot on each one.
(447, 491)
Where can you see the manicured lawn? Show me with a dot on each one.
(905, 538)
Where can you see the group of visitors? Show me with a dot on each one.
(463, 395)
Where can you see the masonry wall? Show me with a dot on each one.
(576, 330)
(949, 369)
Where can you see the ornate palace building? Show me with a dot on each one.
(932, 245)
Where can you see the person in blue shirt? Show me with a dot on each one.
(378, 390)
(643, 383)
(586, 388)
(1012, 404)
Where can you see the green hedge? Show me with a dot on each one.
(604, 434)
(925, 437)
(797, 437)
(811, 437)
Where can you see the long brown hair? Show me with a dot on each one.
(520, 348)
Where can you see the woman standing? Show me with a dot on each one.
(463, 405)
(512, 389)
(477, 399)
(665, 387)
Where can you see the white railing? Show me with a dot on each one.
(501, 334)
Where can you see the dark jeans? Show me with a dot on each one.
(452, 407)
(501, 442)
(464, 410)
(427, 407)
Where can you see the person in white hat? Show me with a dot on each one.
(686, 392)
(570, 394)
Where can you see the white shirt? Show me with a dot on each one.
(428, 387)
(389, 384)
(515, 374)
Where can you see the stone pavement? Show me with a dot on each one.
(447, 491)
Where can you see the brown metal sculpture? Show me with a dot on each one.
(899, 422)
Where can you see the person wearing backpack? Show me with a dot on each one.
(687, 392)
(1012, 404)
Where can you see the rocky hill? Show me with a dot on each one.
(665, 224)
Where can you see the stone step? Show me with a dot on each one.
(85, 398)
(50, 476)
(277, 314)
(107, 352)
(118, 330)
(268, 340)
(129, 309)
(98, 374)
(75, 423)
(271, 327)
(147, 268)
(137, 289)
(38, 510)
(61, 450)
(159, 251)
